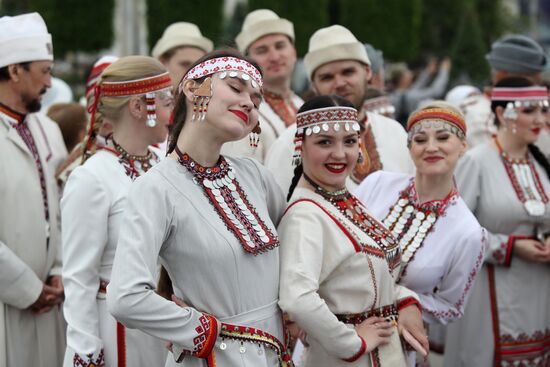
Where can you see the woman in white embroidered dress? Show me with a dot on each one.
(506, 183)
(336, 259)
(212, 221)
(134, 96)
(440, 239)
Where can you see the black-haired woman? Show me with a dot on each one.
(337, 261)
(212, 222)
(506, 184)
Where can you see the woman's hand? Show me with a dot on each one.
(532, 250)
(375, 331)
(411, 327)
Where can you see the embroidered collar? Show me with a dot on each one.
(437, 206)
(351, 208)
(285, 109)
(231, 203)
(133, 166)
(14, 115)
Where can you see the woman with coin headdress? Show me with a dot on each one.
(211, 219)
(506, 183)
(337, 261)
(441, 241)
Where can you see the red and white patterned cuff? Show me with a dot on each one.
(207, 334)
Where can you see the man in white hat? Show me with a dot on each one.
(181, 44)
(269, 40)
(31, 332)
(337, 63)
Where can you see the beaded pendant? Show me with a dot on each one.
(224, 192)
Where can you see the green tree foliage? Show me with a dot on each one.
(208, 15)
(77, 25)
(391, 25)
(307, 16)
(469, 48)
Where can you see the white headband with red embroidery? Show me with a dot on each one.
(231, 66)
(322, 119)
(520, 97)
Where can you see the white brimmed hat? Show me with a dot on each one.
(181, 34)
(334, 43)
(24, 38)
(260, 23)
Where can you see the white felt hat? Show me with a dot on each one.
(181, 34)
(24, 38)
(260, 23)
(334, 43)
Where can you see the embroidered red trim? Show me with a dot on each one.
(135, 87)
(285, 110)
(361, 351)
(90, 360)
(494, 313)
(408, 301)
(207, 334)
(121, 345)
(437, 114)
(19, 117)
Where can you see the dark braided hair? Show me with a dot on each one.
(180, 109)
(520, 82)
(313, 104)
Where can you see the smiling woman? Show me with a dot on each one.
(337, 261)
(441, 242)
(211, 220)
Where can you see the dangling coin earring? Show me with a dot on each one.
(201, 100)
(254, 136)
(151, 115)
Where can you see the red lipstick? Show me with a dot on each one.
(432, 159)
(536, 130)
(336, 167)
(243, 116)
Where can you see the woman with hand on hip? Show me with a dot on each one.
(441, 241)
(211, 219)
(336, 259)
(134, 96)
(506, 183)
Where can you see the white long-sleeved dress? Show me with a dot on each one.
(332, 271)
(507, 319)
(444, 266)
(92, 206)
(208, 256)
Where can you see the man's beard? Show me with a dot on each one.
(33, 104)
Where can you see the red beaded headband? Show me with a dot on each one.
(534, 93)
(440, 114)
(226, 63)
(136, 87)
(147, 86)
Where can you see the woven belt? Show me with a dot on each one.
(388, 312)
(252, 335)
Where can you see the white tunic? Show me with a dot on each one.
(168, 215)
(444, 268)
(507, 319)
(323, 274)
(391, 143)
(27, 258)
(94, 199)
(272, 127)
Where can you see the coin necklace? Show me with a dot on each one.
(226, 195)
